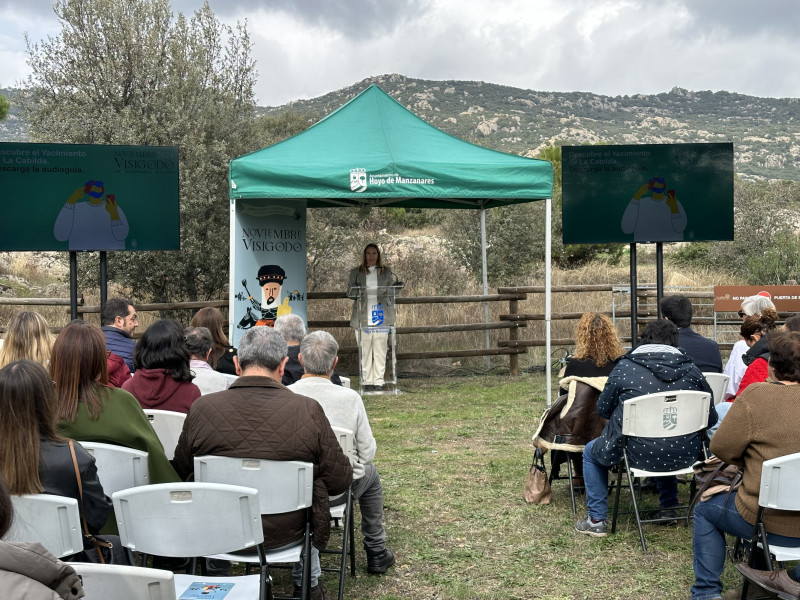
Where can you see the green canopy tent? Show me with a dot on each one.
(373, 151)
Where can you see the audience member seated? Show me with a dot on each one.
(344, 408)
(89, 410)
(221, 358)
(760, 425)
(257, 417)
(597, 351)
(657, 365)
(119, 320)
(293, 330)
(28, 337)
(28, 570)
(735, 367)
(118, 371)
(792, 323)
(199, 344)
(754, 332)
(34, 458)
(163, 378)
(703, 351)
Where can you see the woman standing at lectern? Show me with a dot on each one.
(371, 281)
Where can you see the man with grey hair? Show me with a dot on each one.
(257, 417)
(345, 408)
(199, 344)
(293, 329)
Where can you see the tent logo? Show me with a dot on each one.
(358, 180)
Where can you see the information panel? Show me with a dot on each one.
(647, 193)
(88, 197)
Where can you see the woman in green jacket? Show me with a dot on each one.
(91, 411)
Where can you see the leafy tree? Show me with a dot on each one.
(4, 106)
(127, 72)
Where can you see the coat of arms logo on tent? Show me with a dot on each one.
(358, 180)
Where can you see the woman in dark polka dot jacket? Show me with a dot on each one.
(657, 365)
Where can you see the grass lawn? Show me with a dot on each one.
(453, 455)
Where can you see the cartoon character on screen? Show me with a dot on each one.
(270, 278)
(96, 224)
(654, 214)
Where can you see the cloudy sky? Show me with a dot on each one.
(306, 48)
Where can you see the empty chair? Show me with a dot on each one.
(118, 467)
(664, 415)
(718, 383)
(53, 521)
(283, 486)
(195, 519)
(167, 425)
(103, 582)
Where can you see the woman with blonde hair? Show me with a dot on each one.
(92, 411)
(28, 337)
(221, 358)
(597, 347)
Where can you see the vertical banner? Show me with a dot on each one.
(268, 263)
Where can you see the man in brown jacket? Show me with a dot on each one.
(257, 417)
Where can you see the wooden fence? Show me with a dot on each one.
(513, 321)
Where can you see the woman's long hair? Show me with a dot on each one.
(212, 319)
(596, 339)
(80, 370)
(28, 337)
(762, 324)
(162, 347)
(378, 265)
(27, 415)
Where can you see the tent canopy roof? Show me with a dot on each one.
(374, 151)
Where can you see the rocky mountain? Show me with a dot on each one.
(765, 131)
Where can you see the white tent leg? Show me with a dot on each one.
(548, 203)
(484, 272)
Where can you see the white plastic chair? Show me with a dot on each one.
(195, 519)
(343, 512)
(283, 486)
(718, 383)
(663, 415)
(167, 425)
(101, 582)
(118, 467)
(53, 521)
(345, 381)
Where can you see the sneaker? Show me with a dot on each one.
(379, 563)
(599, 529)
(667, 513)
(317, 592)
(777, 582)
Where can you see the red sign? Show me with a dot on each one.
(728, 298)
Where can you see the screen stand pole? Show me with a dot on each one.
(659, 276)
(634, 300)
(103, 279)
(73, 285)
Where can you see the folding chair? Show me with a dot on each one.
(167, 425)
(118, 467)
(343, 511)
(53, 521)
(195, 519)
(101, 582)
(663, 415)
(718, 383)
(283, 486)
(780, 490)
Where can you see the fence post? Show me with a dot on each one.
(513, 335)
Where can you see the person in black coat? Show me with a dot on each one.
(703, 351)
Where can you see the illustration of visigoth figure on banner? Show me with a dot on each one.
(268, 270)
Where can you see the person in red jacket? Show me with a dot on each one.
(163, 378)
(754, 331)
